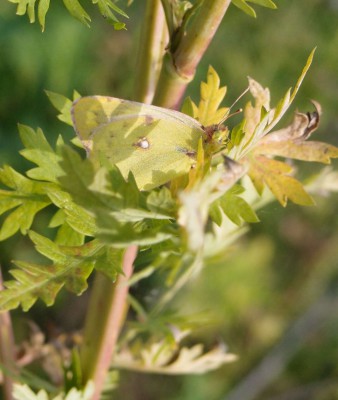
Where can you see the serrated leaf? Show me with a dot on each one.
(77, 217)
(107, 8)
(63, 105)
(66, 235)
(121, 211)
(39, 151)
(235, 208)
(196, 202)
(305, 151)
(291, 142)
(211, 97)
(24, 392)
(259, 119)
(71, 268)
(165, 358)
(275, 174)
(189, 108)
(121, 235)
(106, 191)
(25, 196)
(161, 202)
(109, 262)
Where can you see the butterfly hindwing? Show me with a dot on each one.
(154, 143)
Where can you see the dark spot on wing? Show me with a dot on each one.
(148, 119)
(187, 152)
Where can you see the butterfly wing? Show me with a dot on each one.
(154, 143)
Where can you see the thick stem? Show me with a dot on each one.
(199, 35)
(179, 68)
(7, 355)
(171, 86)
(106, 314)
(154, 37)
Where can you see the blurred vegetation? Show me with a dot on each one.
(285, 264)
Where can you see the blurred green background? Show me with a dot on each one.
(282, 276)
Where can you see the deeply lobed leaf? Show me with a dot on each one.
(244, 6)
(107, 8)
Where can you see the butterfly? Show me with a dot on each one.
(154, 143)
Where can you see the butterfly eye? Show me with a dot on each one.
(142, 143)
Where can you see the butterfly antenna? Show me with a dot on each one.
(239, 110)
(240, 96)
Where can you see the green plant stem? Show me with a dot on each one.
(7, 358)
(179, 68)
(153, 39)
(106, 314)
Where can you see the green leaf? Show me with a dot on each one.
(244, 6)
(77, 217)
(109, 261)
(106, 191)
(28, 6)
(264, 3)
(123, 215)
(25, 6)
(106, 7)
(76, 10)
(66, 235)
(42, 11)
(39, 151)
(234, 207)
(121, 235)
(71, 267)
(62, 104)
(161, 202)
(26, 197)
